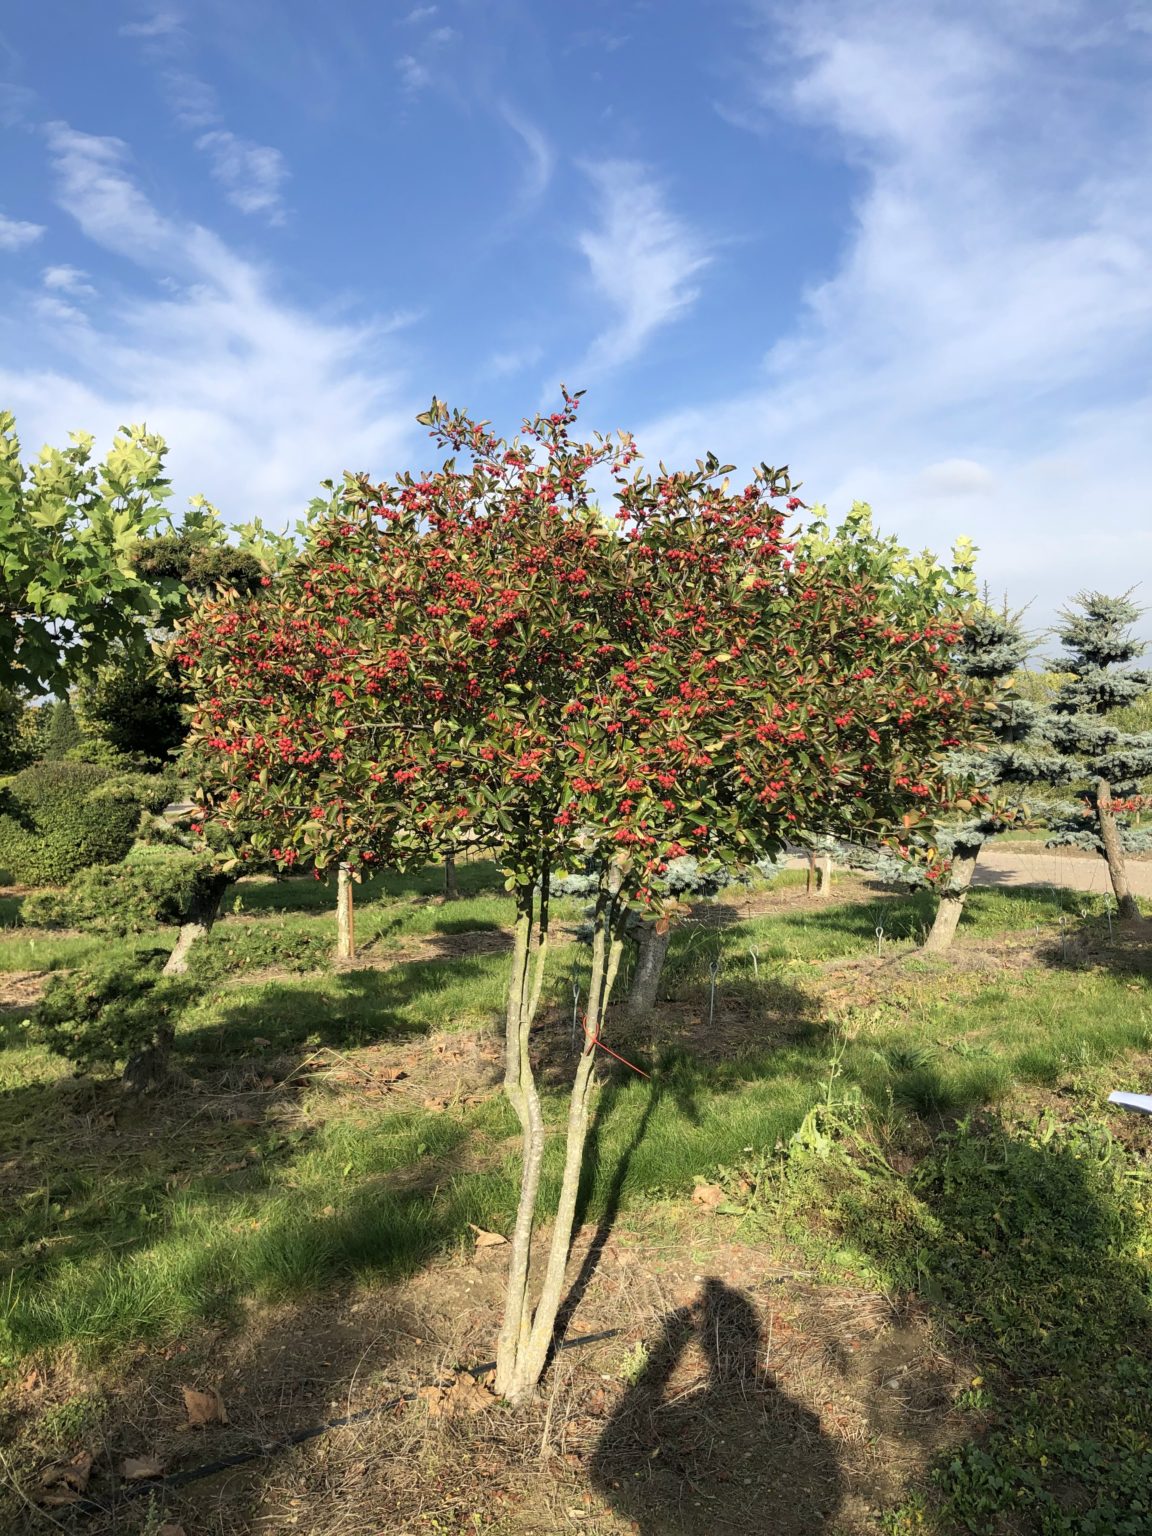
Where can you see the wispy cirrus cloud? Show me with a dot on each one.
(642, 260)
(994, 302)
(259, 397)
(251, 174)
(540, 163)
(16, 234)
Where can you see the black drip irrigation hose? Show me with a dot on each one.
(92, 1506)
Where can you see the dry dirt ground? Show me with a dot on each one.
(733, 1395)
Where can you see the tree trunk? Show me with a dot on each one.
(1126, 904)
(611, 947)
(149, 1068)
(345, 919)
(651, 952)
(824, 866)
(451, 889)
(526, 1337)
(952, 899)
(520, 1088)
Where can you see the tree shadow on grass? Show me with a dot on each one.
(1028, 1246)
(705, 1440)
(350, 1007)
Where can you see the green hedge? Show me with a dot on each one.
(149, 890)
(58, 818)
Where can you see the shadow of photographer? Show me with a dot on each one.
(704, 1439)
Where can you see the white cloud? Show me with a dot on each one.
(996, 287)
(163, 23)
(65, 279)
(955, 477)
(541, 157)
(420, 13)
(441, 35)
(192, 101)
(642, 260)
(414, 75)
(259, 398)
(251, 174)
(516, 360)
(15, 234)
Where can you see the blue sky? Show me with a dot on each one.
(904, 246)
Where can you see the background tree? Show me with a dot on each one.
(1099, 646)
(70, 588)
(997, 778)
(476, 652)
(134, 703)
(15, 734)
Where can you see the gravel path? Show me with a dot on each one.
(1003, 866)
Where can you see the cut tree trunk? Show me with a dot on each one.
(451, 889)
(952, 899)
(1126, 904)
(345, 916)
(651, 952)
(149, 1069)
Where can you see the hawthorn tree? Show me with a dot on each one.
(479, 652)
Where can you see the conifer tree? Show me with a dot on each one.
(998, 775)
(1022, 753)
(1107, 763)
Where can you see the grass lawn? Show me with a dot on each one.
(927, 1137)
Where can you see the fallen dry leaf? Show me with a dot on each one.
(65, 1481)
(204, 1407)
(464, 1395)
(391, 1074)
(487, 1239)
(708, 1195)
(436, 1105)
(260, 1040)
(30, 1382)
(170, 1530)
(136, 1468)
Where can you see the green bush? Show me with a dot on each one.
(102, 1014)
(57, 818)
(153, 790)
(145, 892)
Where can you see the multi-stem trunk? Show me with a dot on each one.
(952, 898)
(525, 983)
(1126, 904)
(527, 1335)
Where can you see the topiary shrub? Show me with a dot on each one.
(158, 889)
(102, 1014)
(58, 818)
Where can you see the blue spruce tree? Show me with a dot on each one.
(1107, 763)
(1023, 752)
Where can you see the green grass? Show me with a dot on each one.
(112, 1235)
(1029, 1241)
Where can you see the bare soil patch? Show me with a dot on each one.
(735, 1394)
